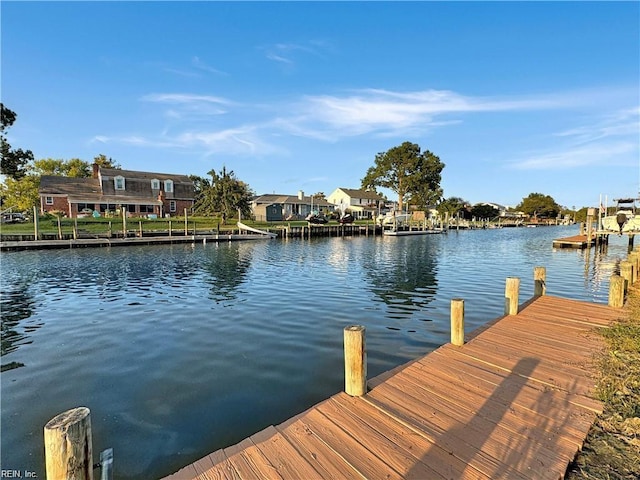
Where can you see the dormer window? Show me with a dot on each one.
(118, 182)
(155, 184)
(168, 186)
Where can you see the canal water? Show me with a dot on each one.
(181, 350)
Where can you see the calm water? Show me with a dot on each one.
(181, 350)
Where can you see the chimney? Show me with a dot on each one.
(300, 195)
(96, 170)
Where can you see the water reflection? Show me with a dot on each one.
(402, 274)
(225, 267)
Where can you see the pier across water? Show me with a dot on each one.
(515, 401)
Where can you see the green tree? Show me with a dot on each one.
(451, 206)
(21, 193)
(482, 210)
(408, 172)
(539, 205)
(224, 195)
(65, 168)
(13, 163)
(103, 162)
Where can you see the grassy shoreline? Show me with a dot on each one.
(612, 447)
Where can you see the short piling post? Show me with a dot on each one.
(355, 361)
(616, 291)
(539, 281)
(67, 445)
(457, 321)
(626, 272)
(511, 296)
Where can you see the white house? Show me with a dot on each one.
(361, 203)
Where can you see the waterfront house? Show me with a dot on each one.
(111, 191)
(361, 203)
(278, 207)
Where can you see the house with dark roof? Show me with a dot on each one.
(277, 207)
(361, 203)
(111, 191)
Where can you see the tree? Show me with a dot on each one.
(103, 162)
(14, 162)
(539, 205)
(66, 168)
(482, 210)
(451, 206)
(224, 195)
(408, 172)
(21, 194)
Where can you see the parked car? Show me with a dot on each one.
(13, 218)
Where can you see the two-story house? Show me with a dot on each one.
(112, 191)
(361, 203)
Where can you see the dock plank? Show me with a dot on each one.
(514, 402)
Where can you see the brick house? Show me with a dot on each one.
(110, 191)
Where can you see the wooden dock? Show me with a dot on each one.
(513, 402)
(126, 242)
(576, 241)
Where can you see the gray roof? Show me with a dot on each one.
(290, 200)
(361, 193)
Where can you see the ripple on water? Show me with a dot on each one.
(188, 349)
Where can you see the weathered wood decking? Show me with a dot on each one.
(513, 402)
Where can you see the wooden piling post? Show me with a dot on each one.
(539, 281)
(626, 272)
(616, 291)
(67, 445)
(355, 361)
(511, 296)
(457, 321)
(36, 233)
(634, 259)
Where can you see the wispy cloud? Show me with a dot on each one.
(186, 105)
(200, 65)
(263, 129)
(287, 53)
(608, 140)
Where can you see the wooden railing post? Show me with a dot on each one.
(457, 321)
(616, 291)
(511, 296)
(68, 447)
(539, 281)
(355, 361)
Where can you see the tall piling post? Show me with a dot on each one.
(457, 321)
(355, 361)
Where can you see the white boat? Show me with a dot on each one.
(625, 220)
(393, 218)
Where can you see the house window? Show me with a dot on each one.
(155, 184)
(119, 182)
(48, 200)
(172, 206)
(168, 186)
(146, 208)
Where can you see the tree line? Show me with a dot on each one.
(407, 170)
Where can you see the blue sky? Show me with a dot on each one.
(513, 97)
